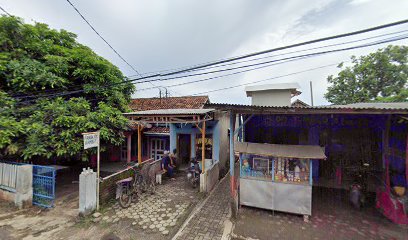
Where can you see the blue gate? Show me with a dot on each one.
(43, 186)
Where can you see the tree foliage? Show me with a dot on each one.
(379, 76)
(38, 63)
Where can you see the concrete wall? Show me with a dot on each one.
(209, 179)
(22, 195)
(271, 98)
(223, 123)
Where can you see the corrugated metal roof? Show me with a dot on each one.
(281, 150)
(390, 105)
(400, 107)
(171, 112)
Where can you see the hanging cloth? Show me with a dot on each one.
(387, 170)
(406, 165)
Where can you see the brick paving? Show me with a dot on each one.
(208, 222)
(156, 216)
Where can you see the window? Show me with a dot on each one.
(256, 166)
(291, 170)
(274, 169)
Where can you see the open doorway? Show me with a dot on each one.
(184, 148)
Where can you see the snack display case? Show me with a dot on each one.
(277, 177)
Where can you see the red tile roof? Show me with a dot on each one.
(189, 102)
(157, 130)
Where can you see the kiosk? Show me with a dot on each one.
(277, 177)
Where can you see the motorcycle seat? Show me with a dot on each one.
(125, 180)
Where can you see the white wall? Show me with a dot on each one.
(272, 98)
(21, 190)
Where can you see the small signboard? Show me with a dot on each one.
(91, 140)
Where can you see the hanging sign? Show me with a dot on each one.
(91, 140)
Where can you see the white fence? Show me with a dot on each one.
(8, 176)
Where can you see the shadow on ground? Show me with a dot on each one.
(333, 218)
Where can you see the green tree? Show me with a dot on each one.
(38, 63)
(379, 76)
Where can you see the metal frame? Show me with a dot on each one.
(44, 176)
(171, 118)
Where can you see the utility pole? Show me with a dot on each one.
(166, 93)
(311, 93)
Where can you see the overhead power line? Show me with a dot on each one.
(277, 55)
(289, 46)
(97, 33)
(2, 9)
(107, 43)
(274, 62)
(304, 50)
(267, 79)
(244, 61)
(293, 57)
(288, 58)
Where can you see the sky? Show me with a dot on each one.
(160, 35)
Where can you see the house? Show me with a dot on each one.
(181, 124)
(156, 137)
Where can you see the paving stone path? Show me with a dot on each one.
(158, 213)
(208, 222)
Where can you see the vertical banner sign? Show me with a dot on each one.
(91, 139)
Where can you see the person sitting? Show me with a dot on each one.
(173, 158)
(167, 164)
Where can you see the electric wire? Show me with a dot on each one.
(249, 60)
(285, 60)
(198, 66)
(285, 47)
(288, 58)
(267, 79)
(107, 43)
(2, 9)
(282, 54)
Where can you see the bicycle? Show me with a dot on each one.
(129, 189)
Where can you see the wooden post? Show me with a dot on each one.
(97, 171)
(234, 193)
(139, 144)
(203, 147)
(232, 155)
(129, 147)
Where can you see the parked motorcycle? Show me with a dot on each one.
(359, 187)
(194, 172)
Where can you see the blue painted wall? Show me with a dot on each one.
(211, 128)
